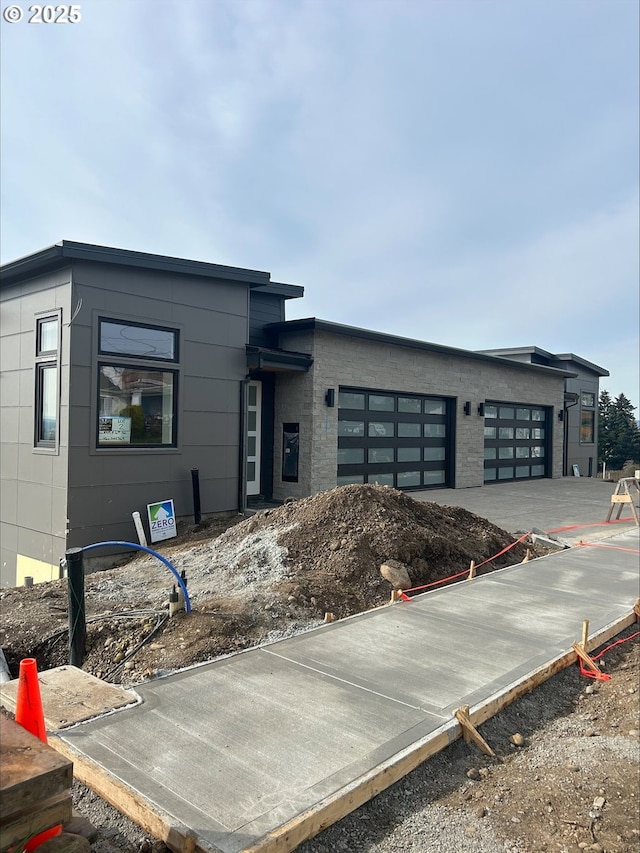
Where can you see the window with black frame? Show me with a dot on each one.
(47, 372)
(587, 417)
(137, 395)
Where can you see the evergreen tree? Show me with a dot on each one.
(605, 446)
(618, 434)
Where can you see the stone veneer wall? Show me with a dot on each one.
(340, 360)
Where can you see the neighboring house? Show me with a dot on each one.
(123, 371)
(582, 392)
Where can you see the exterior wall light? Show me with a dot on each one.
(481, 409)
(467, 407)
(561, 415)
(330, 397)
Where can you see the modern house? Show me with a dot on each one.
(123, 371)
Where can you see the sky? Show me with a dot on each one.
(463, 172)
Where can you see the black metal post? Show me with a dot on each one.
(77, 619)
(195, 482)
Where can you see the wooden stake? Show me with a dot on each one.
(472, 570)
(585, 634)
(585, 658)
(329, 617)
(469, 731)
(190, 839)
(527, 556)
(636, 609)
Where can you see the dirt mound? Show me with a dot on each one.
(336, 541)
(271, 575)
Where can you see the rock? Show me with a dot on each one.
(589, 689)
(396, 573)
(517, 739)
(481, 811)
(66, 842)
(79, 825)
(473, 773)
(596, 848)
(589, 733)
(484, 772)
(634, 733)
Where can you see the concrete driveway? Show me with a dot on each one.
(577, 502)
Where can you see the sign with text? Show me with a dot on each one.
(162, 520)
(114, 430)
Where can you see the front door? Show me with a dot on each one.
(254, 418)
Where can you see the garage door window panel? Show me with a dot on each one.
(351, 400)
(381, 428)
(410, 405)
(381, 403)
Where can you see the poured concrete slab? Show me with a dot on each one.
(261, 750)
(69, 696)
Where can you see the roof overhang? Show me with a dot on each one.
(277, 360)
(62, 254)
(313, 324)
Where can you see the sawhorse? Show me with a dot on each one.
(622, 495)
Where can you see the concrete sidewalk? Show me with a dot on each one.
(263, 749)
(543, 504)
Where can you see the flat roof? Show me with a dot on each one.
(314, 324)
(505, 352)
(61, 254)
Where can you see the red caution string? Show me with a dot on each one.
(459, 574)
(603, 676)
(609, 547)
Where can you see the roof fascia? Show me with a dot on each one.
(62, 253)
(313, 324)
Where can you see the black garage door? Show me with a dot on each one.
(393, 439)
(516, 442)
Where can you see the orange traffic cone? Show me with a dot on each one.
(30, 716)
(28, 702)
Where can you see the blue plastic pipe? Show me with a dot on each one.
(179, 581)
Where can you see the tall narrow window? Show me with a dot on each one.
(47, 371)
(587, 417)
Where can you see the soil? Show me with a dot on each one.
(281, 571)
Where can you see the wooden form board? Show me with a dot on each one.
(290, 835)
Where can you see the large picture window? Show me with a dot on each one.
(47, 371)
(137, 401)
(136, 406)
